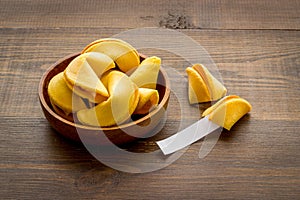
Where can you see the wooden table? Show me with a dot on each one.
(256, 47)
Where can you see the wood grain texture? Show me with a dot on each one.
(255, 45)
(204, 14)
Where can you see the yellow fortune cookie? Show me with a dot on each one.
(83, 75)
(203, 86)
(145, 76)
(148, 99)
(227, 111)
(61, 97)
(118, 108)
(122, 53)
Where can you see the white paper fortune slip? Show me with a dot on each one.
(187, 136)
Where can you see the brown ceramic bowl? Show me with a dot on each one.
(116, 134)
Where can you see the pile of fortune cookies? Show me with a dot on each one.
(107, 83)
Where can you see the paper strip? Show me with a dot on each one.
(187, 136)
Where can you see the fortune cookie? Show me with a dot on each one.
(83, 75)
(227, 111)
(203, 87)
(120, 105)
(145, 76)
(122, 53)
(148, 99)
(62, 98)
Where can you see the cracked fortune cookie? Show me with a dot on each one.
(203, 86)
(227, 111)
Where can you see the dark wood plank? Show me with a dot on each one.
(212, 14)
(40, 164)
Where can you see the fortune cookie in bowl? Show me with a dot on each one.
(123, 54)
(83, 75)
(145, 76)
(203, 86)
(63, 101)
(227, 111)
(148, 100)
(120, 105)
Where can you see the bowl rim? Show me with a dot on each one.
(164, 100)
